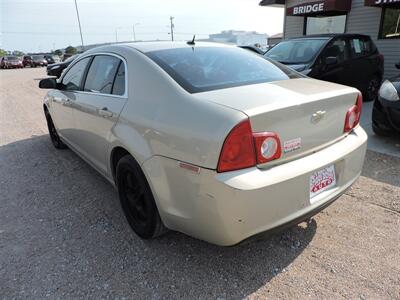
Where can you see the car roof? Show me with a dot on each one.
(160, 45)
(329, 36)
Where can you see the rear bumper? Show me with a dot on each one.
(227, 208)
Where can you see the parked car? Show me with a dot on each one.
(27, 60)
(207, 139)
(49, 59)
(386, 111)
(10, 62)
(57, 68)
(350, 59)
(253, 49)
(38, 60)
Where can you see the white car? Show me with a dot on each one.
(206, 139)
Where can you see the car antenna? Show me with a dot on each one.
(192, 41)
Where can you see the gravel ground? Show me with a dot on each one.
(63, 234)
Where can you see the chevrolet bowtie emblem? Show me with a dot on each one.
(318, 116)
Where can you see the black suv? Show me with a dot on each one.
(350, 59)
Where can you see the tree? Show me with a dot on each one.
(3, 52)
(18, 53)
(57, 52)
(70, 50)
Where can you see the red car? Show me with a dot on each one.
(27, 61)
(10, 62)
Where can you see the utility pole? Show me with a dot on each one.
(171, 19)
(80, 28)
(134, 32)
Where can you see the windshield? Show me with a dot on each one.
(71, 58)
(209, 68)
(12, 58)
(38, 57)
(296, 51)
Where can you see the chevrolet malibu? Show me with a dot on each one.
(209, 140)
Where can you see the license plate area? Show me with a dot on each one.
(322, 180)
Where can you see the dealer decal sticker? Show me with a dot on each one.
(291, 145)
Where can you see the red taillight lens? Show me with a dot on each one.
(381, 58)
(353, 115)
(268, 146)
(243, 148)
(238, 149)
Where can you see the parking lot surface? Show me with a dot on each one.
(63, 234)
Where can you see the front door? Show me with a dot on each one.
(97, 108)
(337, 72)
(62, 101)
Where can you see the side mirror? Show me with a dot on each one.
(397, 65)
(48, 83)
(331, 60)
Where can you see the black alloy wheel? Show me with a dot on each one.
(373, 89)
(137, 200)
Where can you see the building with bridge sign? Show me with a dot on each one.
(379, 19)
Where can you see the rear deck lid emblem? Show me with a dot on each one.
(317, 116)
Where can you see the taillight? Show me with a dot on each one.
(381, 58)
(353, 115)
(243, 148)
(238, 149)
(268, 146)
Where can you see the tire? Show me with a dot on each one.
(371, 92)
(54, 137)
(137, 200)
(380, 124)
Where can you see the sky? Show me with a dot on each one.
(44, 25)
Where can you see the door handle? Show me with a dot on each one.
(104, 112)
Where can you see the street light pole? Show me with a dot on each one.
(79, 22)
(171, 19)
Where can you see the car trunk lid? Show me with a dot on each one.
(307, 114)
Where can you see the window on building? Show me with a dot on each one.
(390, 25)
(319, 25)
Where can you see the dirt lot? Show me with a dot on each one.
(63, 234)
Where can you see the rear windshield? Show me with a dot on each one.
(12, 58)
(296, 51)
(209, 68)
(38, 57)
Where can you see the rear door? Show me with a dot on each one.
(363, 65)
(63, 100)
(338, 72)
(98, 106)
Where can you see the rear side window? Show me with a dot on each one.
(119, 82)
(361, 47)
(73, 78)
(200, 69)
(101, 74)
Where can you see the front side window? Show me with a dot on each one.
(73, 78)
(320, 25)
(102, 72)
(337, 49)
(390, 26)
(209, 68)
(297, 51)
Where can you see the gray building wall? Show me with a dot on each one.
(361, 19)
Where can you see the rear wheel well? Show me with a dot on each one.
(116, 154)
